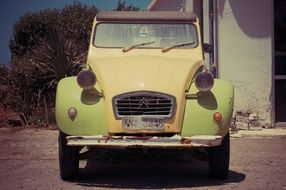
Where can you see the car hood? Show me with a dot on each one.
(144, 73)
(139, 73)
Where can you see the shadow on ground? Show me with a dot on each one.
(152, 170)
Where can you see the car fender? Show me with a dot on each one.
(199, 110)
(90, 118)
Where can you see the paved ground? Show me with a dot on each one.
(29, 161)
(261, 132)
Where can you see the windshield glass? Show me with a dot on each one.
(116, 35)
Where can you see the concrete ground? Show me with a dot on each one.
(260, 132)
(29, 160)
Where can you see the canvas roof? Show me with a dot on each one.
(146, 16)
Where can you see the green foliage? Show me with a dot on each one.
(57, 57)
(122, 7)
(30, 30)
(46, 46)
(35, 121)
(4, 83)
(74, 21)
(21, 76)
(3, 74)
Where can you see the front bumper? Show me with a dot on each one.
(155, 142)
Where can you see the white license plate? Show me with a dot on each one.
(140, 123)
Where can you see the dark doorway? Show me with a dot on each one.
(280, 59)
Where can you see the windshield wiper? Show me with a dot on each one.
(177, 45)
(136, 45)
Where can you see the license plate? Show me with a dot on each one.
(140, 123)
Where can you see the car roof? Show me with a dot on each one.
(145, 16)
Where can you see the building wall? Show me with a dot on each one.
(245, 53)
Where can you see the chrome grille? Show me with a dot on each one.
(144, 104)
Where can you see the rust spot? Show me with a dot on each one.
(106, 138)
(77, 138)
(139, 138)
(185, 141)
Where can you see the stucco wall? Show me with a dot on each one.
(245, 53)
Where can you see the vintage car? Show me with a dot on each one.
(146, 85)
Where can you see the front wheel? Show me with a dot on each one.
(68, 158)
(219, 159)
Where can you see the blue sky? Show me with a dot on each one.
(10, 10)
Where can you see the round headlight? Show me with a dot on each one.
(204, 81)
(86, 79)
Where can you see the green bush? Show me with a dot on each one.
(46, 46)
(73, 21)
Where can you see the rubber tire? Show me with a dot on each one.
(219, 159)
(68, 159)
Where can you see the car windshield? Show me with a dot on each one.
(130, 36)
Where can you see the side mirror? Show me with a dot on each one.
(207, 48)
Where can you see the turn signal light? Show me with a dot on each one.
(217, 117)
(72, 113)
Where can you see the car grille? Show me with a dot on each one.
(144, 104)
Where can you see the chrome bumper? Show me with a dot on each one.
(134, 141)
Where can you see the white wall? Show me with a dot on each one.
(245, 53)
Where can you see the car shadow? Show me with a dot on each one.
(150, 171)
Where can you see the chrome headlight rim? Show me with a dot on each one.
(86, 79)
(204, 81)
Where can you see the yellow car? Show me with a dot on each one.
(145, 85)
